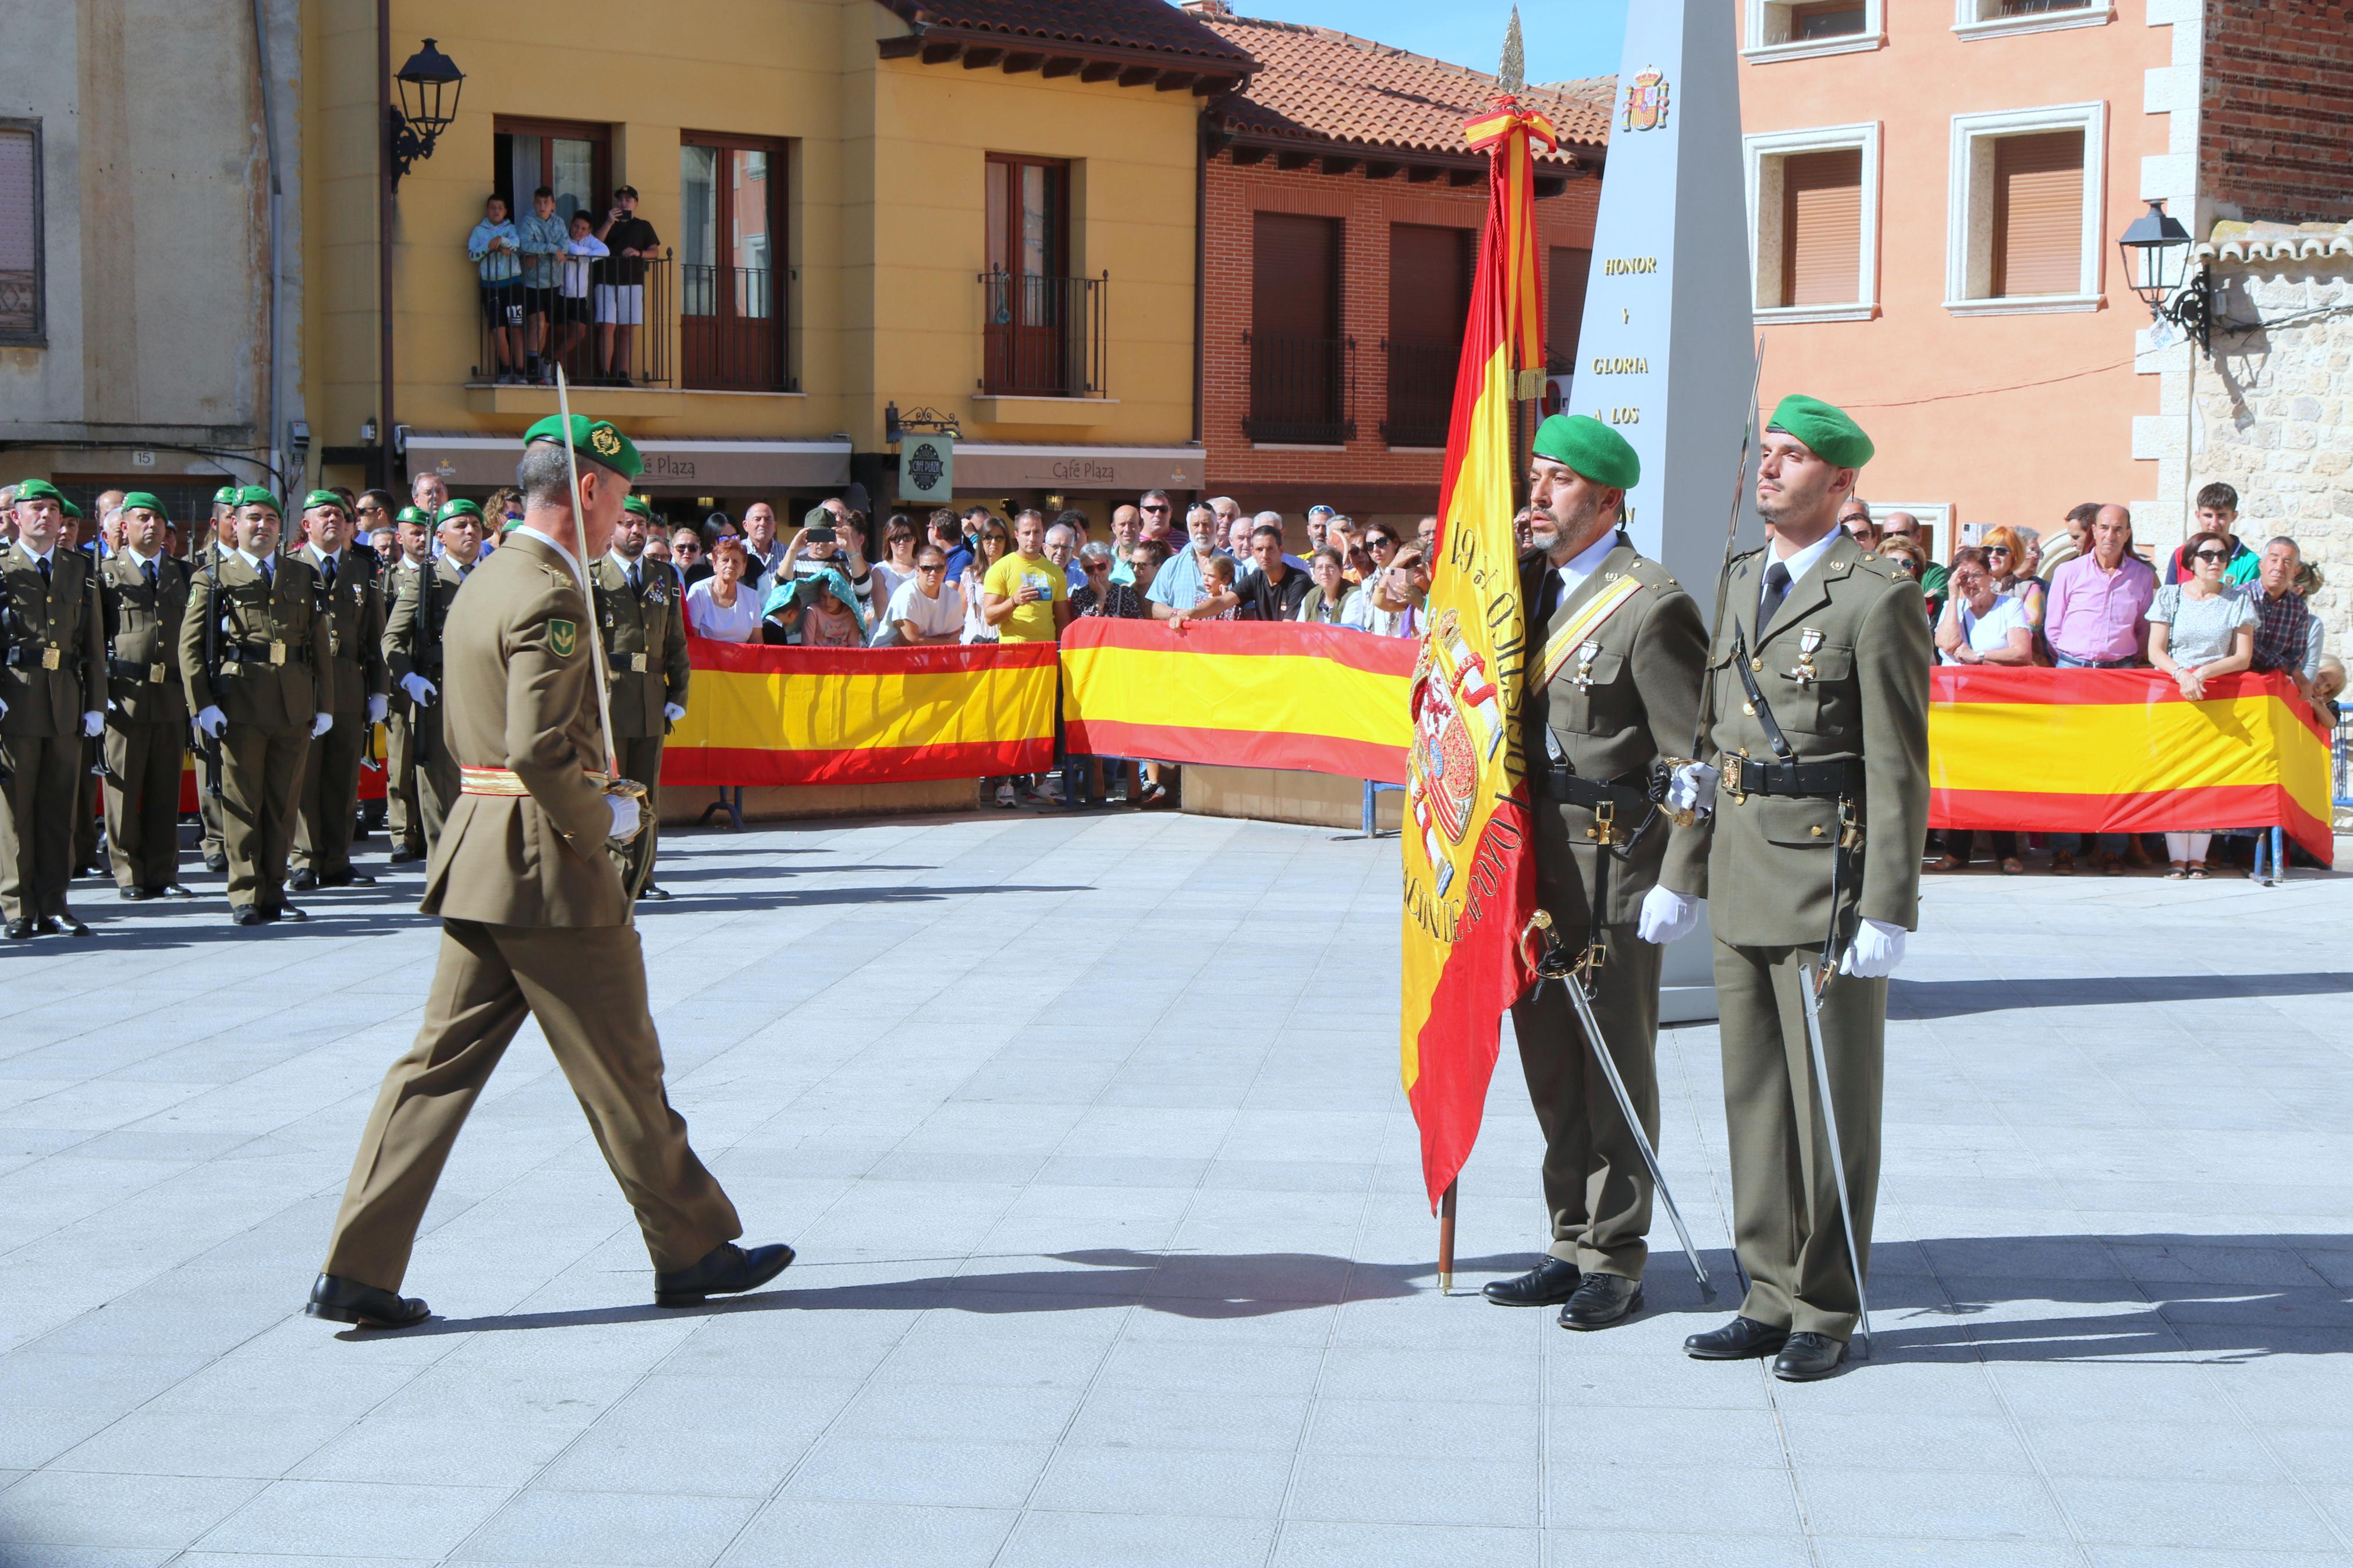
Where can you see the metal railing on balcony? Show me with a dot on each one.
(607, 322)
(1044, 337)
(1303, 390)
(731, 328)
(1422, 391)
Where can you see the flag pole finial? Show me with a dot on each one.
(1514, 71)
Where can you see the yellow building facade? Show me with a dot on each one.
(857, 205)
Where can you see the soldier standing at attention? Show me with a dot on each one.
(251, 646)
(215, 540)
(1616, 651)
(52, 699)
(352, 687)
(642, 612)
(535, 919)
(413, 652)
(403, 824)
(144, 593)
(1819, 732)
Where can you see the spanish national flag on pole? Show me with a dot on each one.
(1469, 880)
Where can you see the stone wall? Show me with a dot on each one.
(2274, 406)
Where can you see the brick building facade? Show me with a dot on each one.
(2277, 105)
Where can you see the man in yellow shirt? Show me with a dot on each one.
(1025, 596)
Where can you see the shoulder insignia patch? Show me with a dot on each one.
(563, 637)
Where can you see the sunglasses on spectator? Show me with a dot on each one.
(930, 566)
(1156, 509)
(1098, 566)
(2209, 555)
(687, 548)
(1997, 550)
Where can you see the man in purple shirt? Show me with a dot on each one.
(2098, 611)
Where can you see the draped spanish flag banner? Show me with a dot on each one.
(1470, 882)
(862, 715)
(2122, 751)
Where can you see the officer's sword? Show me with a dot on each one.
(1812, 997)
(1555, 965)
(588, 600)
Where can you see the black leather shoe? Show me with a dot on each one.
(344, 1301)
(171, 890)
(304, 881)
(216, 863)
(1808, 1356)
(1548, 1284)
(287, 912)
(725, 1269)
(246, 915)
(659, 895)
(20, 930)
(1601, 1301)
(1743, 1339)
(135, 895)
(48, 926)
(403, 855)
(348, 879)
(75, 927)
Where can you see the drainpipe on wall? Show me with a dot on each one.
(1200, 268)
(274, 443)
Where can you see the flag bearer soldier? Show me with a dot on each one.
(536, 921)
(413, 652)
(352, 687)
(215, 541)
(81, 536)
(52, 699)
(1819, 705)
(1615, 654)
(250, 650)
(404, 822)
(143, 594)
(642, 613)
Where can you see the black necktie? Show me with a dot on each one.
(1548, 600)
(1777, 588)
(45, 571)
(267, 575)
(637, 583)
(327, 572)
(147, 569)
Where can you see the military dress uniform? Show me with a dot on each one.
(353, 600)
(535, 923)
(413, 646)
(1829, 822)
(404, 821)
(213, 542)
(270, 640)
(145, 603)
(51, 678)
(643, 614)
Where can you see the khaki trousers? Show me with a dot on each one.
(261, 766)
(641, 758)
(143, 801)
(37, 825)
(1785, 1204)
(403, 823)
(586, 986)
(208, 809)
(87, 806)
(436, 778)
(328, 797)
(1594, 1184)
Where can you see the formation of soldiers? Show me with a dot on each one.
(1774, 768)
(275, 660)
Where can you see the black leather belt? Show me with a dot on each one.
(132, 669)
(270, 652)
(39, 656)
(1554, 780)
(630, 663)
(1806, 781)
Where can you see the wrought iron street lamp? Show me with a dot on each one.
(428, 86)
(2157, 259)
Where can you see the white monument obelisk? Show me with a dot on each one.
(1666, 354)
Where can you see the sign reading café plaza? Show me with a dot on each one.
(990, 466)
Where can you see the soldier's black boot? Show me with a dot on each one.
(724, 1270)
(342, 1301)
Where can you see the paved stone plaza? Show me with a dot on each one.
(1113, 1251)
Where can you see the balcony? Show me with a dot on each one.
(732, 328)
(615, 331)
(1422, 391)
(1044, 337)
(1301, 390)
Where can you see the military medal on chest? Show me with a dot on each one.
(1587, 652)
(1808, 639)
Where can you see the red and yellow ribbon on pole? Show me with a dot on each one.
(1469, 881)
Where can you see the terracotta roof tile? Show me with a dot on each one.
(1150, 26)
(1321, 84)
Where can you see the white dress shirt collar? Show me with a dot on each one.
(568, 558)
(1799, 561)
(1584, 564)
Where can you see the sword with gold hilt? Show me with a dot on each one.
(615, 782)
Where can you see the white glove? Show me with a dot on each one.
(1667, 916)
(1693, 789)
(624, 815)
(320, 723)
(4, 708)
(673, 711)
(1874, 953)
(420, 690)
(91, 723)
(376, 708)
(212, 722)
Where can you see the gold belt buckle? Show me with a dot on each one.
(231, 668)
(278, 653)
(53, 658)
(157, 674)
(638, 664)
(1731, 786)
(1603, 831)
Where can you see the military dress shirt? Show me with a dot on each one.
(641, 611)
(270, 641)
(53, 670)
(144, 603)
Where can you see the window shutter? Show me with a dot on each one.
(2038, 214)
(1295, 285)
(1822, 227)
(1430, 283)
(20, 237)
(1564, 305)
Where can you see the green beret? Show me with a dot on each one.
(598, 441)
(148, 499)
(325, 498)
(1590, 448)
(260, 495)
(39, 489)
(72, 510)
(414, 514)
(1834, 437)
(638, 504)
(225, 496)
(453, 509)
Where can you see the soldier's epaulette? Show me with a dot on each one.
(1651, 573)
(1871, 563)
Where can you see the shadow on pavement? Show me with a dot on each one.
(1960, 998)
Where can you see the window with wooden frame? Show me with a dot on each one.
(2038, 214)
(732, 268)
(574, 160)
(1799, 30)
(1039, 322)
(1429, 298)
(1821, 226)
(2001, 19)
(23, 305)
(2025, 209)
(1813, 204)
(1297, 355)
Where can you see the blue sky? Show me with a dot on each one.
(1564, 38)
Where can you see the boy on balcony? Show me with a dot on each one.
(496, 252)
(541, 236)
